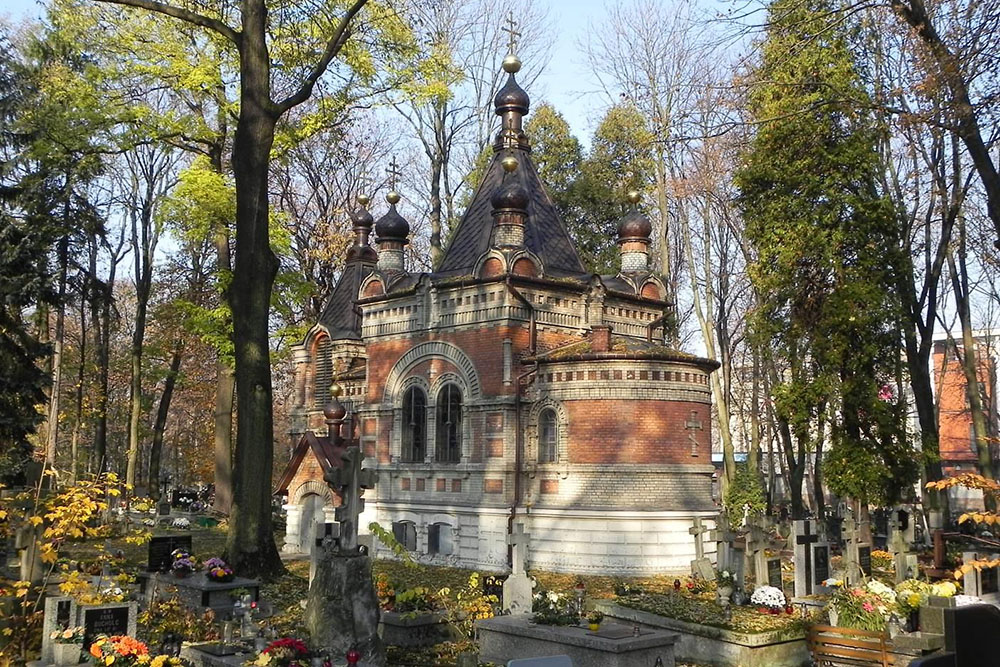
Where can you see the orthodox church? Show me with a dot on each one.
(508, 386)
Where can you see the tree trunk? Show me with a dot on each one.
(80, 375)
(437, 166)
(224, 384)
(914, 13)
(52, 433)
(156, 449)
(250, 546)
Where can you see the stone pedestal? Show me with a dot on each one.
(342, 611)
(506, 638)
(517, 594)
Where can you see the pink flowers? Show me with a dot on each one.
(868, 606)
(885, 393)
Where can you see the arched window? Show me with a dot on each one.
(548, 436)
(414, 425)
(405, 533)
(439, 539)
(449, 425)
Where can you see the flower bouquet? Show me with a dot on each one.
(217, 570)
(768, 599)
(866, 607)
(66, 645)
(125, 651)
(73, 635)
(594, 619)
(183, 563)
(284, 652)
(551, 608)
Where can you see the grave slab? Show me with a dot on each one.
(197, 591)
(506, 638)
(60, 613)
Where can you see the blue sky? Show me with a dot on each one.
(565, 82)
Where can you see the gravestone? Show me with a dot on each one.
(517, 587)
(900, 539)
(107, 619)
(857, 549)
(326, 536)
(821, 566)
(971, 633)
(774, 572)
(756, 543)
(700, 566)
(729, 549)
(983, 583)
(162, 510)
(805, 541)
(60, 613)
(160, 548)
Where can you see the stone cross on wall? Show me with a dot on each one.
(691, 425)
(518, 540)
(349, 482)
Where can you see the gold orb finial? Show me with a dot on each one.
(511, 64)
(633, 196)
(392, 197)
(336, 390)
(509, 164)
(363, 200)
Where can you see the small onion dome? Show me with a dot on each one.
(334, 410)
(511, 195)
(362, 218)
(635, 225)
(392, 226)
(511, 98)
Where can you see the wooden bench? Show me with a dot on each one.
(830, 645)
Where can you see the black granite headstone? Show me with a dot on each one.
(988, 581)
(972, 633)
(105, 621)
(821, 563)
(160, 549)
(865, 560)
(774, 572)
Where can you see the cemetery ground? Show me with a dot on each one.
(435, 586)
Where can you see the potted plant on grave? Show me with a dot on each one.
(910, 596)
(725, 580)
(125, 651)
(218, 571)
(66, 645)
(594, 619)
(768, 599)
(183, 563)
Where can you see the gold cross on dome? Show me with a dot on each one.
(394, 173)
(512, 33)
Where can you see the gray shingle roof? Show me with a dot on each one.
(338, 316)
(544, 232)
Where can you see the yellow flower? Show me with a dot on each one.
(144, 659)
(158, 661)
(108, 660)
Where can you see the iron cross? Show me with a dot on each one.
(394, 173)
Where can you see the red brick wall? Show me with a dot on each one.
(954, 418)
(629, 431)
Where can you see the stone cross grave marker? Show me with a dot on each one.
(326, 537)
(904, 562)
(804, 541)
(727, 556)
(691, 425)
(700, 566)
(756, 543)
(517, 587)
(350, 481)
(858, 554)
(60, 613)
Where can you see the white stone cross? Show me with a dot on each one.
(691, 425)
(697, 529)
(519, 540)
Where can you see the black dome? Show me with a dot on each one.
(510, 195)
(392, 226)
(634, 225)
(512, 98)
(362, 218)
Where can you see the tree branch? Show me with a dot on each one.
(333, 46)
(182, 14)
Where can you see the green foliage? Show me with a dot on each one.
(172, 616)
(390, 542)
(557, 155)
(620, 160)
(825, 240)
(745, 490)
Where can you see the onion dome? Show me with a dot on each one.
(511, 97)
(392, 226)
(363, 221)
(334, 410)
(635, 224)
(511, 195)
